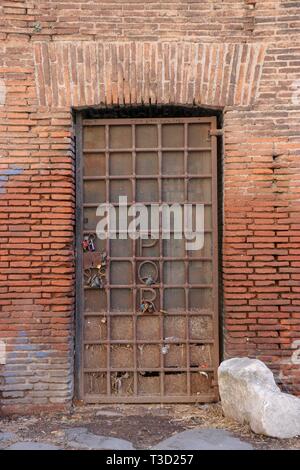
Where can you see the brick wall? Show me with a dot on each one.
(242, 56)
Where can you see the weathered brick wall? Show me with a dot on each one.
(240, 55)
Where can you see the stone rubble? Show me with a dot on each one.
(250, 395)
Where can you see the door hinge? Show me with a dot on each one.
(216, 132)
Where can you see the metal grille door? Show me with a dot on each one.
(147, 309)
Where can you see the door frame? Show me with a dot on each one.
(78, 352)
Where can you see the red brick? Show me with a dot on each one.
(166, 53)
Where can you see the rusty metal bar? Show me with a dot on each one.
(129, 121)
(134, 288)
(169, 286)
(186, 264)
(152, 369)
(142, 341)
(107, 186)
(161, 272)
(147, 177)
(156, 258)
(102, 399)
(95, 205)
(216, 132)
(171, 313)
(215, 253)
(146, 149)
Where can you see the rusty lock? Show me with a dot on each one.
(88, 243)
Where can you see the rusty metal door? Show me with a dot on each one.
(166, 351)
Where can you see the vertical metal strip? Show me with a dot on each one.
(186, 266)
(134, 289)
(108, 291)
(215, 253)
(79, 293)
(161, 273)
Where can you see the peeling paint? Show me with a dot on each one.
(23, 344)
(2, 92)
(5, 174)
(2, 352)
(20, 363)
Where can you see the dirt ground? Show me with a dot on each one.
(143, 425)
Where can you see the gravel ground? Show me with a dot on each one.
(144, 426)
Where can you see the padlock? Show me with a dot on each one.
(91, 245)
(150, 281)
(103, 259)
(147, 306)
(95, 282)
(101, 273)
(87, 276)
(85, 245)
(144, 307)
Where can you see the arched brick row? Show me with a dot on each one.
(90, 73)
